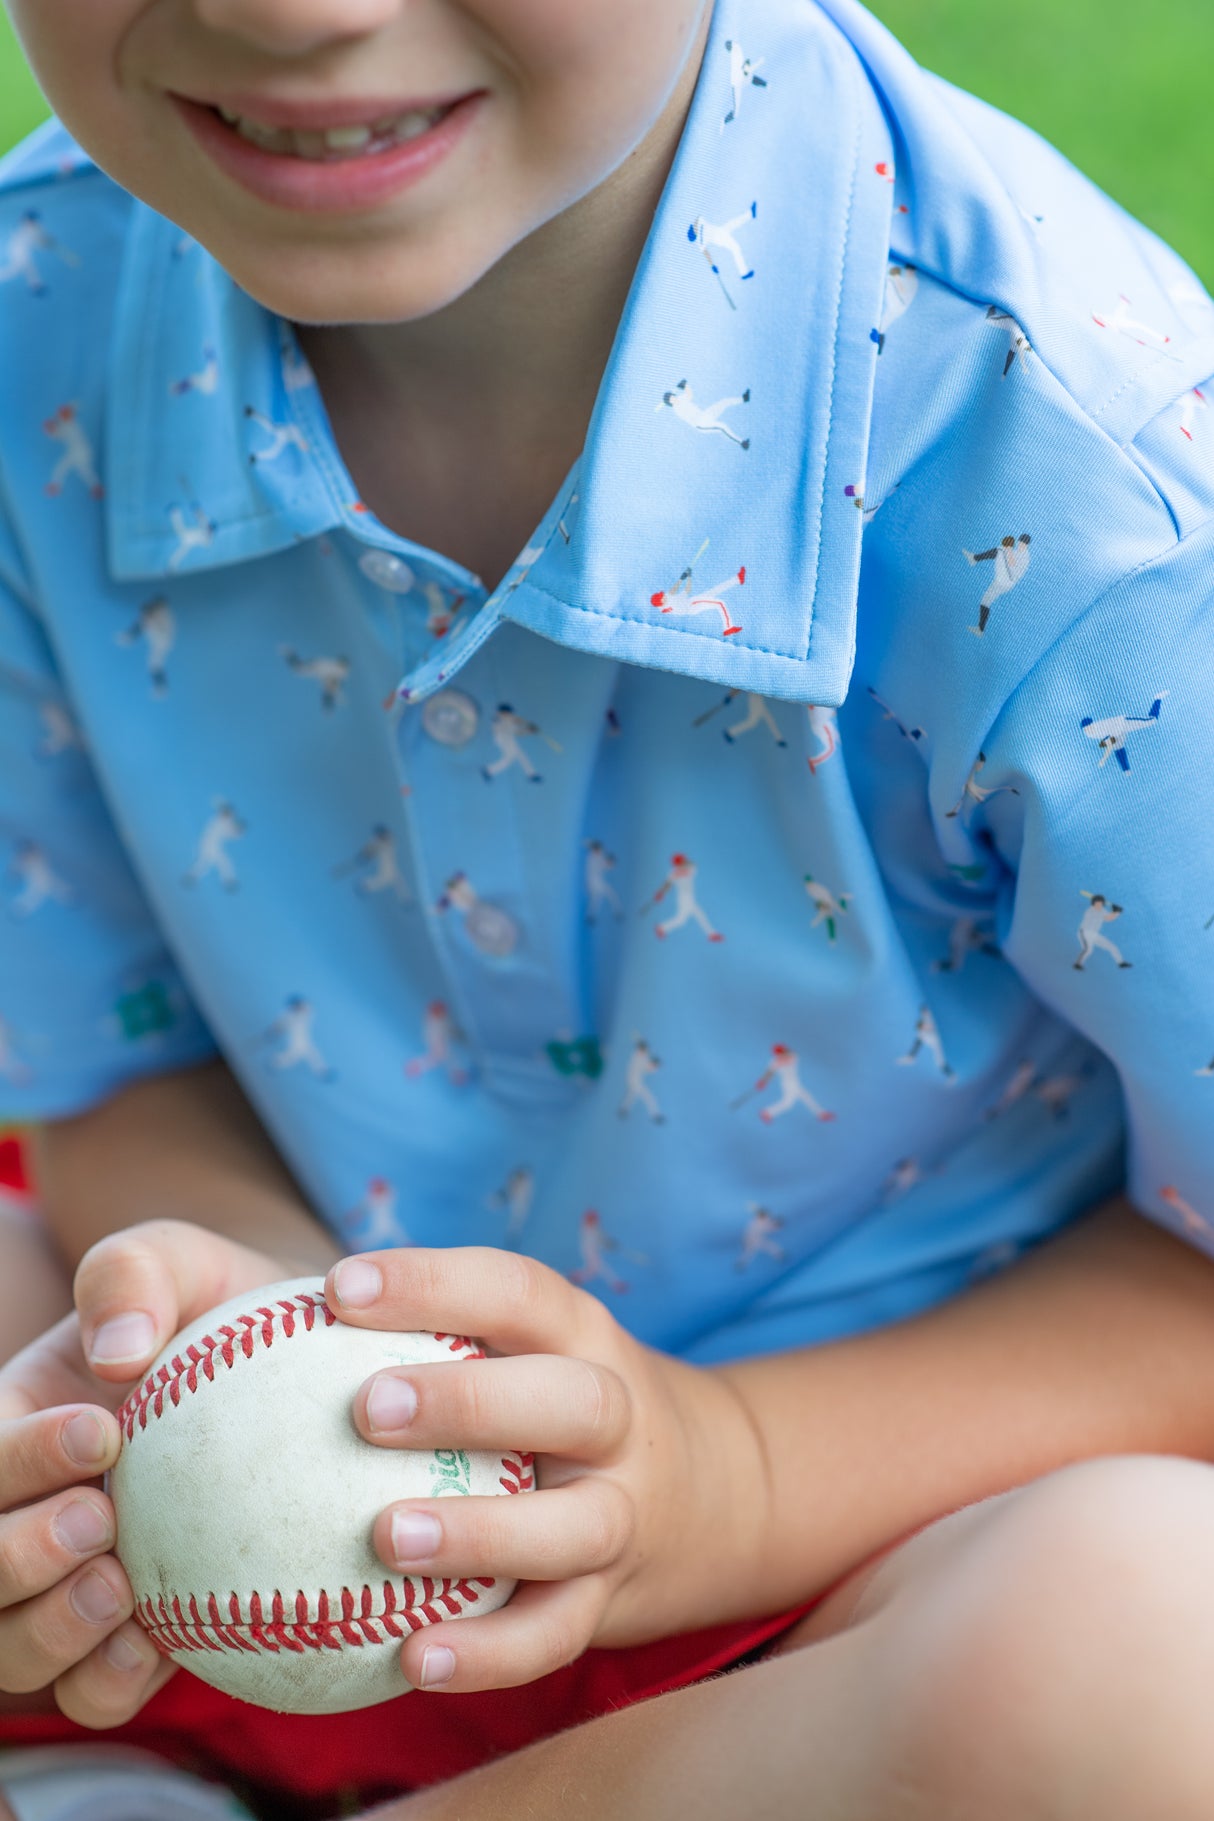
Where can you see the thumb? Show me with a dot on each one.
(134, 1290)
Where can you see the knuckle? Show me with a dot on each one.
(16, 1562)
(606, 1404)
(526, 1285)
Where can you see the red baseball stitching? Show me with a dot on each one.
(342, 1619)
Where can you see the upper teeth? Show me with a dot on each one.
(334, 139)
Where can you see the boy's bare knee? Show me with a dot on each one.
(1054, 1663)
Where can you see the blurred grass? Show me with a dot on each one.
(1122, 87)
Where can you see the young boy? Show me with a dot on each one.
(825, 776)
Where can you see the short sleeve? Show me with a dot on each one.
(1098, 791)
(90, 998)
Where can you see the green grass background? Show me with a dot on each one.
(1121, 86)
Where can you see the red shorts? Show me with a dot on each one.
(331, 1763)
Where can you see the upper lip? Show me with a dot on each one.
(314, 116)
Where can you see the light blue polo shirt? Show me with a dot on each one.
(790, 895)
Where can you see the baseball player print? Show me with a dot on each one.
(1016, 1087)
(205, 381)
(759, 1237)
(330, 673)
(374, 1223)
(715, 238)
(594, 1243)
(743, 74)
(440, 1035)
(927, 1037)
(827, 908)
(1208, 1071)
(784, 1069)
(1011, 560)
(1122, 323)
(294, 1027)
(60, 732)
(901, 285)
(976, 793)
(684, 602)
(967, 936)
(599, 889)
(1055, 1092)
(441, 609)
(12, 1068)
(824, 728)
(1190, 405)
(222, 827)
(38, 882)
(887, 172)
(279, 437)
(1019, 341)
(155, 624)
(1091, 928)
(376, 861)
(197, 532)
(681, 400)
(75, 453)
(856, 496)
(908, 733)
(19, 260)
(1191, 1220)
(516, 1196)
(681, 880)
(901, 1180)
(1111, 734)
(297, 373)
(642, 1063)
(508, 729)
(758, 713)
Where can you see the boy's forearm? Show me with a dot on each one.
(1100, 1342)
(181, 1146)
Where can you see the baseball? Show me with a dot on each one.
(245, 1499)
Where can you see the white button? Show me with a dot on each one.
(387, 571)
(491, 929)
(450, 717)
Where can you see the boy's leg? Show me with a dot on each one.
(1045, 1655)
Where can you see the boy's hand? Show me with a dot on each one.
(652, 1488)
(65, 1602)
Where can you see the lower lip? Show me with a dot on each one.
(341, 184)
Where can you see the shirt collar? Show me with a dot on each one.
(762, 276)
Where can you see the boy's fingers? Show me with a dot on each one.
(42, 1638)
(55, 1448)
(539, 1630)
(510, 1301)
(540, 1403)
(545, 1536)
(42, 1544)
(114, 1681)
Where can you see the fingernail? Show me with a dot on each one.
(391, 1403)
(120, 1653)
(415, 1536)
(357, 1283)
(438, 1665)
(83, 1527)
(84, 1440)
(93, 1598)
(125, 1337)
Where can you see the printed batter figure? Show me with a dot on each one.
(441, 609)
(440, 1035)
(975, 793)
(223, 827)
(908, 733)
(1192, 1221)
(194, 533)
(827, 907)
(667, 599)
(1020, 344)
(330, 673)
(205, 381)
(1056, 1092)
(927, 1036)
(76, 455)
(681, 879)
(1190, 405)
(968, 936)
(594, 1243)
(1018, 1085)
(282, 436)
(1091, 924)
(1011, 558)
(824, 726)
(710, 236)
(681, 400)
(759, 1237)
(1208, 1070)
(1124, 324)
(641, 1065)
(373, 1223)
(1111, 734)
(904, 1176)
(743, 74)
(901, 285)
(516, 1196)
(599, 889)
(294, 1026)
(758, 713)
(155, 624)
(384, 874)
(28, 238)
(60, 732)
(783, 1067)
(508, 729)
(39, 882)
